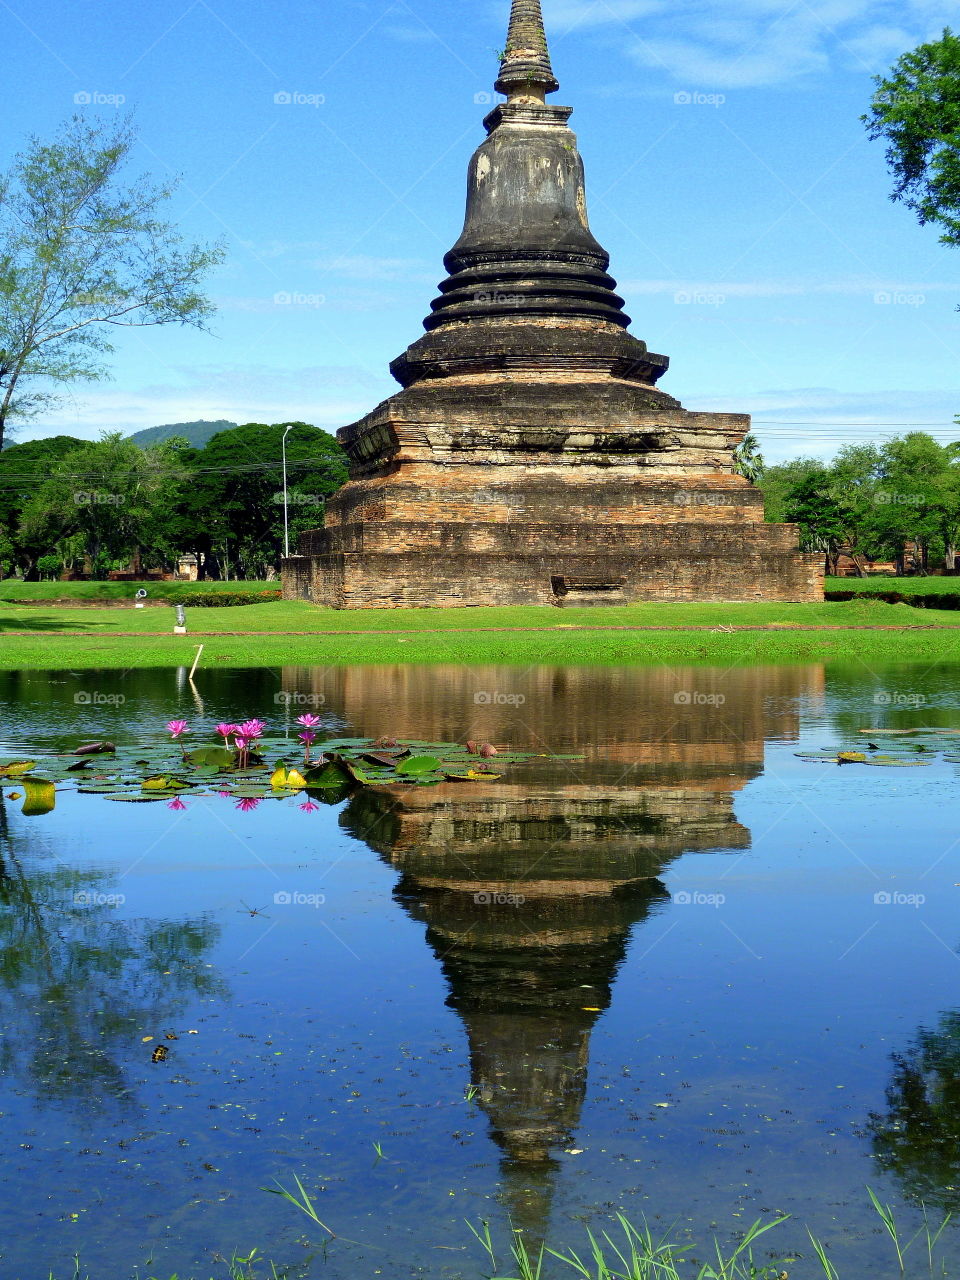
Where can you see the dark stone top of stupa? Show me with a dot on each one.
(528, 286)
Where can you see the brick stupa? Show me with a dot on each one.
(530, 457)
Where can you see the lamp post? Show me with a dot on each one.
(286, 527)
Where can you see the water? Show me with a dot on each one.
(693, 977)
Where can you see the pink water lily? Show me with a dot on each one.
(309, 721)
(227, 730)
(176, 804)
(246, 805)
(308, 806)
(252, 728)
(308, 738)
(178, 728)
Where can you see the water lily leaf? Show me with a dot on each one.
(221, 757)
(164, 782)
(11, 768)
(40, 796)
(851, 757)
(418, 764)
(355, 772)
(332, 773)
(287, 778)
(132, 797)
(471, 775)
(888, 760)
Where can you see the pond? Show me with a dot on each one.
(693, 976)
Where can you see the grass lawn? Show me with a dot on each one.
(31, 636)
(14, 589)
(905, 586)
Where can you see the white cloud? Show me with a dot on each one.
(702, 44)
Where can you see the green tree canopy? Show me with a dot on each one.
(81, 252)
(916, 108)
(114, 496)
(232, 508)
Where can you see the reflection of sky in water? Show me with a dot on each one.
(699, 930)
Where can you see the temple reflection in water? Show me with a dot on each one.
(530, 886)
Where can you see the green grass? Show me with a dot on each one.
(14, 589)
(29, 635)
(905, 586)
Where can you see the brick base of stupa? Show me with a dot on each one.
(486, 492)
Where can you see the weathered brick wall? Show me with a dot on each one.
(482, 490)
(385, 580)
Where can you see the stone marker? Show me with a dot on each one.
(530, 457)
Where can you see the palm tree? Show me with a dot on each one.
(748, 460)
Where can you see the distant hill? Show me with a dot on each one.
(198, 433)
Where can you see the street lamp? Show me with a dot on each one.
(286, 527)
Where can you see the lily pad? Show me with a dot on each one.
(419, 765)
(40, 796)
(12, 768)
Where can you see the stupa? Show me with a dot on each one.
(530, 457)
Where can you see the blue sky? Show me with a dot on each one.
(728, 175)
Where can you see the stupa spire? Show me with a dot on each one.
(525, 69)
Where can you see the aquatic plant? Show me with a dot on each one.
(239, 769)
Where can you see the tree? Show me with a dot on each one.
(231, 511)
(113, 494)
(918, 1138)
(79, 253)
(23, 468)
(811, 505)
(777, 481)
(917, 498)
(748, 460)
(917, 110)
